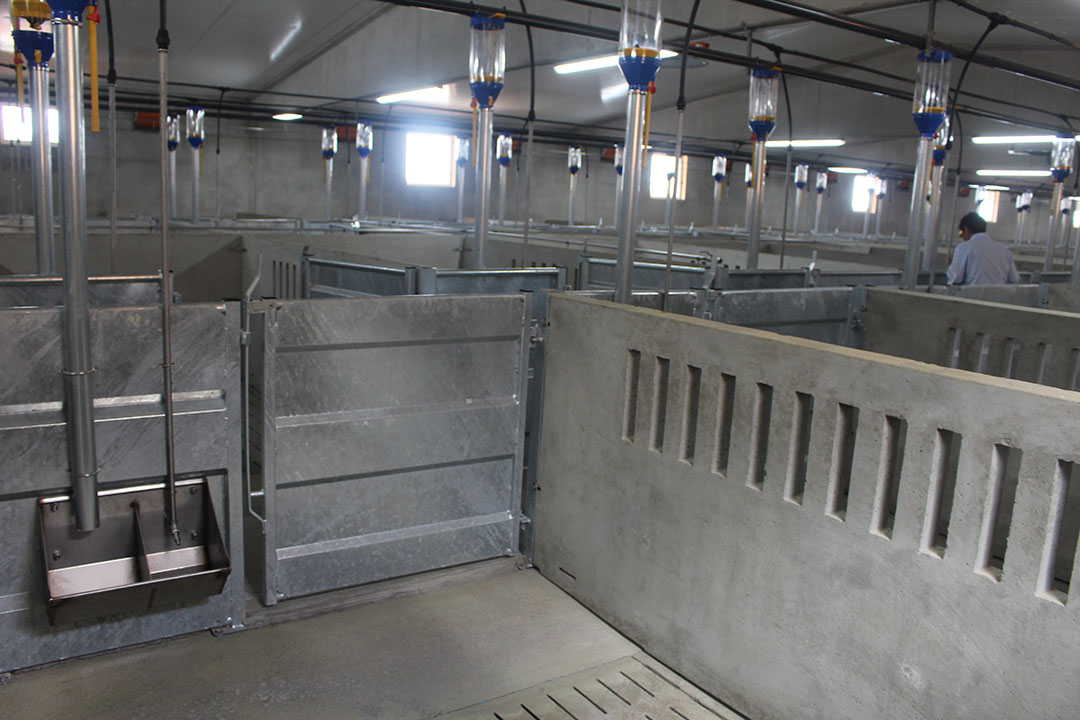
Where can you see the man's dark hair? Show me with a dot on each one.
(973, 222)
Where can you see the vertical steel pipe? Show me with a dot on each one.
(916, 222)
(1055, 224)
(528, 195)
(626, 221)
(673, 186)
(1074, 279)
(196, 159)
(362, 210)
(172, 181)
(877, 218)
(799, 192)
(570, 206)
(718, 189)
(817, 213)
(502, 194)
(1021, 221)
(329, 173)
(41, 169)
(754, 244)
(112, 179)
(166, 296)
(618, 195)
(932, 224)
(460, 194)
(78, 377)
(483, 187)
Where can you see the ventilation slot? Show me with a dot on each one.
(800, 448)
(1062, 535)
(633, 374)
(982, 344)
(954, 347)
(1045, 352)
(759, 437)
(1000, 497)
(843, 457)
(1012, 358)
(690, 416)
(942, 489)
(725, 415)
(893, 440)
(1074, 370)
(660, 392)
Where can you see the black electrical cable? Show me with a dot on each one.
(959, 83)
(221, 99)
(532, 68)
(680, 104)
(163, 32)
(111, 77)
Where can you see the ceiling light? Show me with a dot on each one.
(848, 170)
(999, 188)
(596, 63)
(437, 94)
(1013, 173)
(834, 142)
(1012, 139)
(286, 116)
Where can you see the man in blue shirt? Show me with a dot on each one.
(980, 260)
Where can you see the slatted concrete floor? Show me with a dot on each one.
(636, 688)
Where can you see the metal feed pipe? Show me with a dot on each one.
(77, 368)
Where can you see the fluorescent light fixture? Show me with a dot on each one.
(287, 116)
(1013, 173)
(437, 94)
(1013, 139)
(833, 142)
(596, 63)
(999, 188)
(848, 170)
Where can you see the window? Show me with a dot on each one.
(16, 126)
(429, 159)
(861, 188)
(661, 167)
(986, 204)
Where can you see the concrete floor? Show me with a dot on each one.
(449, 649)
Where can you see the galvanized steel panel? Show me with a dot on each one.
(392, 438)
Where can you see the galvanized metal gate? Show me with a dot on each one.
(391, 437)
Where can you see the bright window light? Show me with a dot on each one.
(828, 142)
(17, 127)
(438, 94)
(429, 159)
(1013, 173)
(660, 167)
(848, 170)
(596, 63)
(986, 204)
(1012, 139)
(1002, 188)
(861, 188)
(287, 116)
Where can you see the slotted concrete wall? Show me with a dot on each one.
(809, 531)
(1039, 346)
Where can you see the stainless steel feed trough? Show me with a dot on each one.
(132, 562)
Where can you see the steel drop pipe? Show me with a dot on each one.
(1074, 279)
(483, 187)
(461, 194)
(528, 195)
(626, 220)
(1021, 221)
(362, 210)
(196, 159)
(41, 170)
(673, 185)
(931, 227)
(329, 172)
(718, 191)
(502, 194)
(754, 244)
(817, 213)
(166, 302)
(877, 218)
(919, 190)
(1055, 222)
(172, 180)
(799, 192)
(114, 255)
(570, 210)
(78, 378)
(618, 194)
